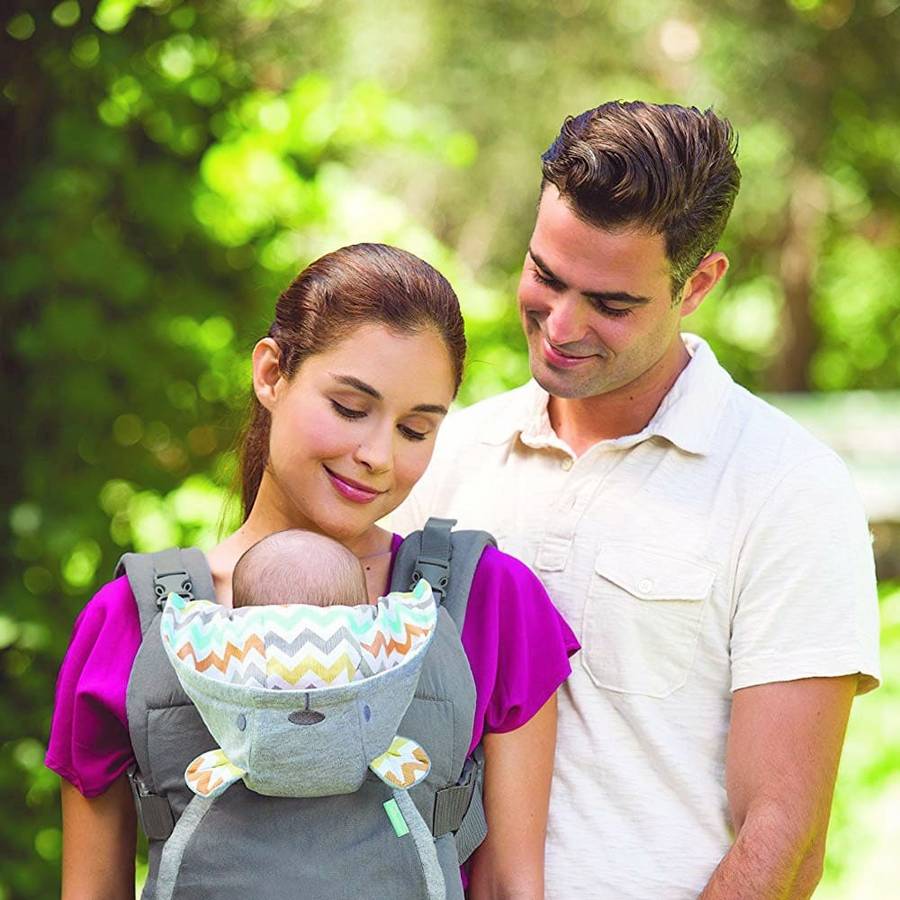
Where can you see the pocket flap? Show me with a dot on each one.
(651, 575)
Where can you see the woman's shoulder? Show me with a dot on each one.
(506, 589)
(112, 604)
(89, 743)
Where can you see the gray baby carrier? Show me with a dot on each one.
(344, 847)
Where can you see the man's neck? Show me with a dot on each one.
(583, 422)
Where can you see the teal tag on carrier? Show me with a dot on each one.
(396, 817)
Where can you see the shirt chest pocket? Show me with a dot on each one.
(642, 619)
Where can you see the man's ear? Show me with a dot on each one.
(266, 371)
(702, 280)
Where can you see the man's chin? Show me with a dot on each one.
(562, 384)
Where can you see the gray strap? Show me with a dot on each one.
(153, 576)
(435, 886)
(452, 803)
(173, 851)
(451, 557)
(440, 553)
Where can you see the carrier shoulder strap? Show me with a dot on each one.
(437, 552)
(153, 576)
(448, 559)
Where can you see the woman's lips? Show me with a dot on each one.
(350, 489)
(560, 360)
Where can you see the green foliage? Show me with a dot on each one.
(175, 163)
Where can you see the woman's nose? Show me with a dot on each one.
(375, 451)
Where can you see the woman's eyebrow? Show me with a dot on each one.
(350, 381)
(364, 388)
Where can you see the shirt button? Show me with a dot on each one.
(645, 585)
(567, 463)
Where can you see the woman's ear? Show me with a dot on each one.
(266, 371)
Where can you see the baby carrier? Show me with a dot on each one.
(372, 842)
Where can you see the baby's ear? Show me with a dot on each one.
(403, 765)
(212, 773)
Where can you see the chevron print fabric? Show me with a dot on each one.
(298, 647)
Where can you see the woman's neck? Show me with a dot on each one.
(373, 547)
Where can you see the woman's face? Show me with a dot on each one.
(354, 429)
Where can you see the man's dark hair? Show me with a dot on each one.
(665, 168)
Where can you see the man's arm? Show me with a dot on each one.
(784, 746)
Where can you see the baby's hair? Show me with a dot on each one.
(297, 566)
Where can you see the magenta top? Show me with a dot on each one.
(517, 644)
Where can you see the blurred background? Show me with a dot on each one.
(171, 165)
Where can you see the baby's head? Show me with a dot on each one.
(297, 566)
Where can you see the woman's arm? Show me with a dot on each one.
(518, 767)
(98, 843)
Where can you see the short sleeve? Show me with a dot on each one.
(89, 743)
(517, 643)
(806, 597)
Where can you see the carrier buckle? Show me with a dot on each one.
(177, 582)
(435, 571)
(153, 810)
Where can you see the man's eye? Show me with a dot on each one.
(612, 311)
(346, 412)
(545, 279)
(410, 433)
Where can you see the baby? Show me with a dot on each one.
(296, 566)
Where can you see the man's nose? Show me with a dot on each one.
(566, 321)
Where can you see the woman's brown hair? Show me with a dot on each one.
(357, 285)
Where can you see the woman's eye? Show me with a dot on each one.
(346, 412)
(410, 433)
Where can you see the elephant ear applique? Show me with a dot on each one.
(403, 765)
(212, 773)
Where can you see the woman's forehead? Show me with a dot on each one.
(415, 364)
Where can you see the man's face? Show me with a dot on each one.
(596, 305)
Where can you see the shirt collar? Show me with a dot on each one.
(687, 417)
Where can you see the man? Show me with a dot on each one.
(711, 555)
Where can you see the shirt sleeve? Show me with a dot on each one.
(806, 602)
(517, 643)
(89, 742)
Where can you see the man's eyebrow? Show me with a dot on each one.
(604, 296)
(364, 388)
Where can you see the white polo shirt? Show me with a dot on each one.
(721, 547)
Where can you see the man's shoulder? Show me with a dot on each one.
(765, 438)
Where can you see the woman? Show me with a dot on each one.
(350, 387)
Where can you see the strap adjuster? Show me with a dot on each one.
(177, 582)
(153, 810)
(452, 803)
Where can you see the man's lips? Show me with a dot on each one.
(350, 489)
(562, 360)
